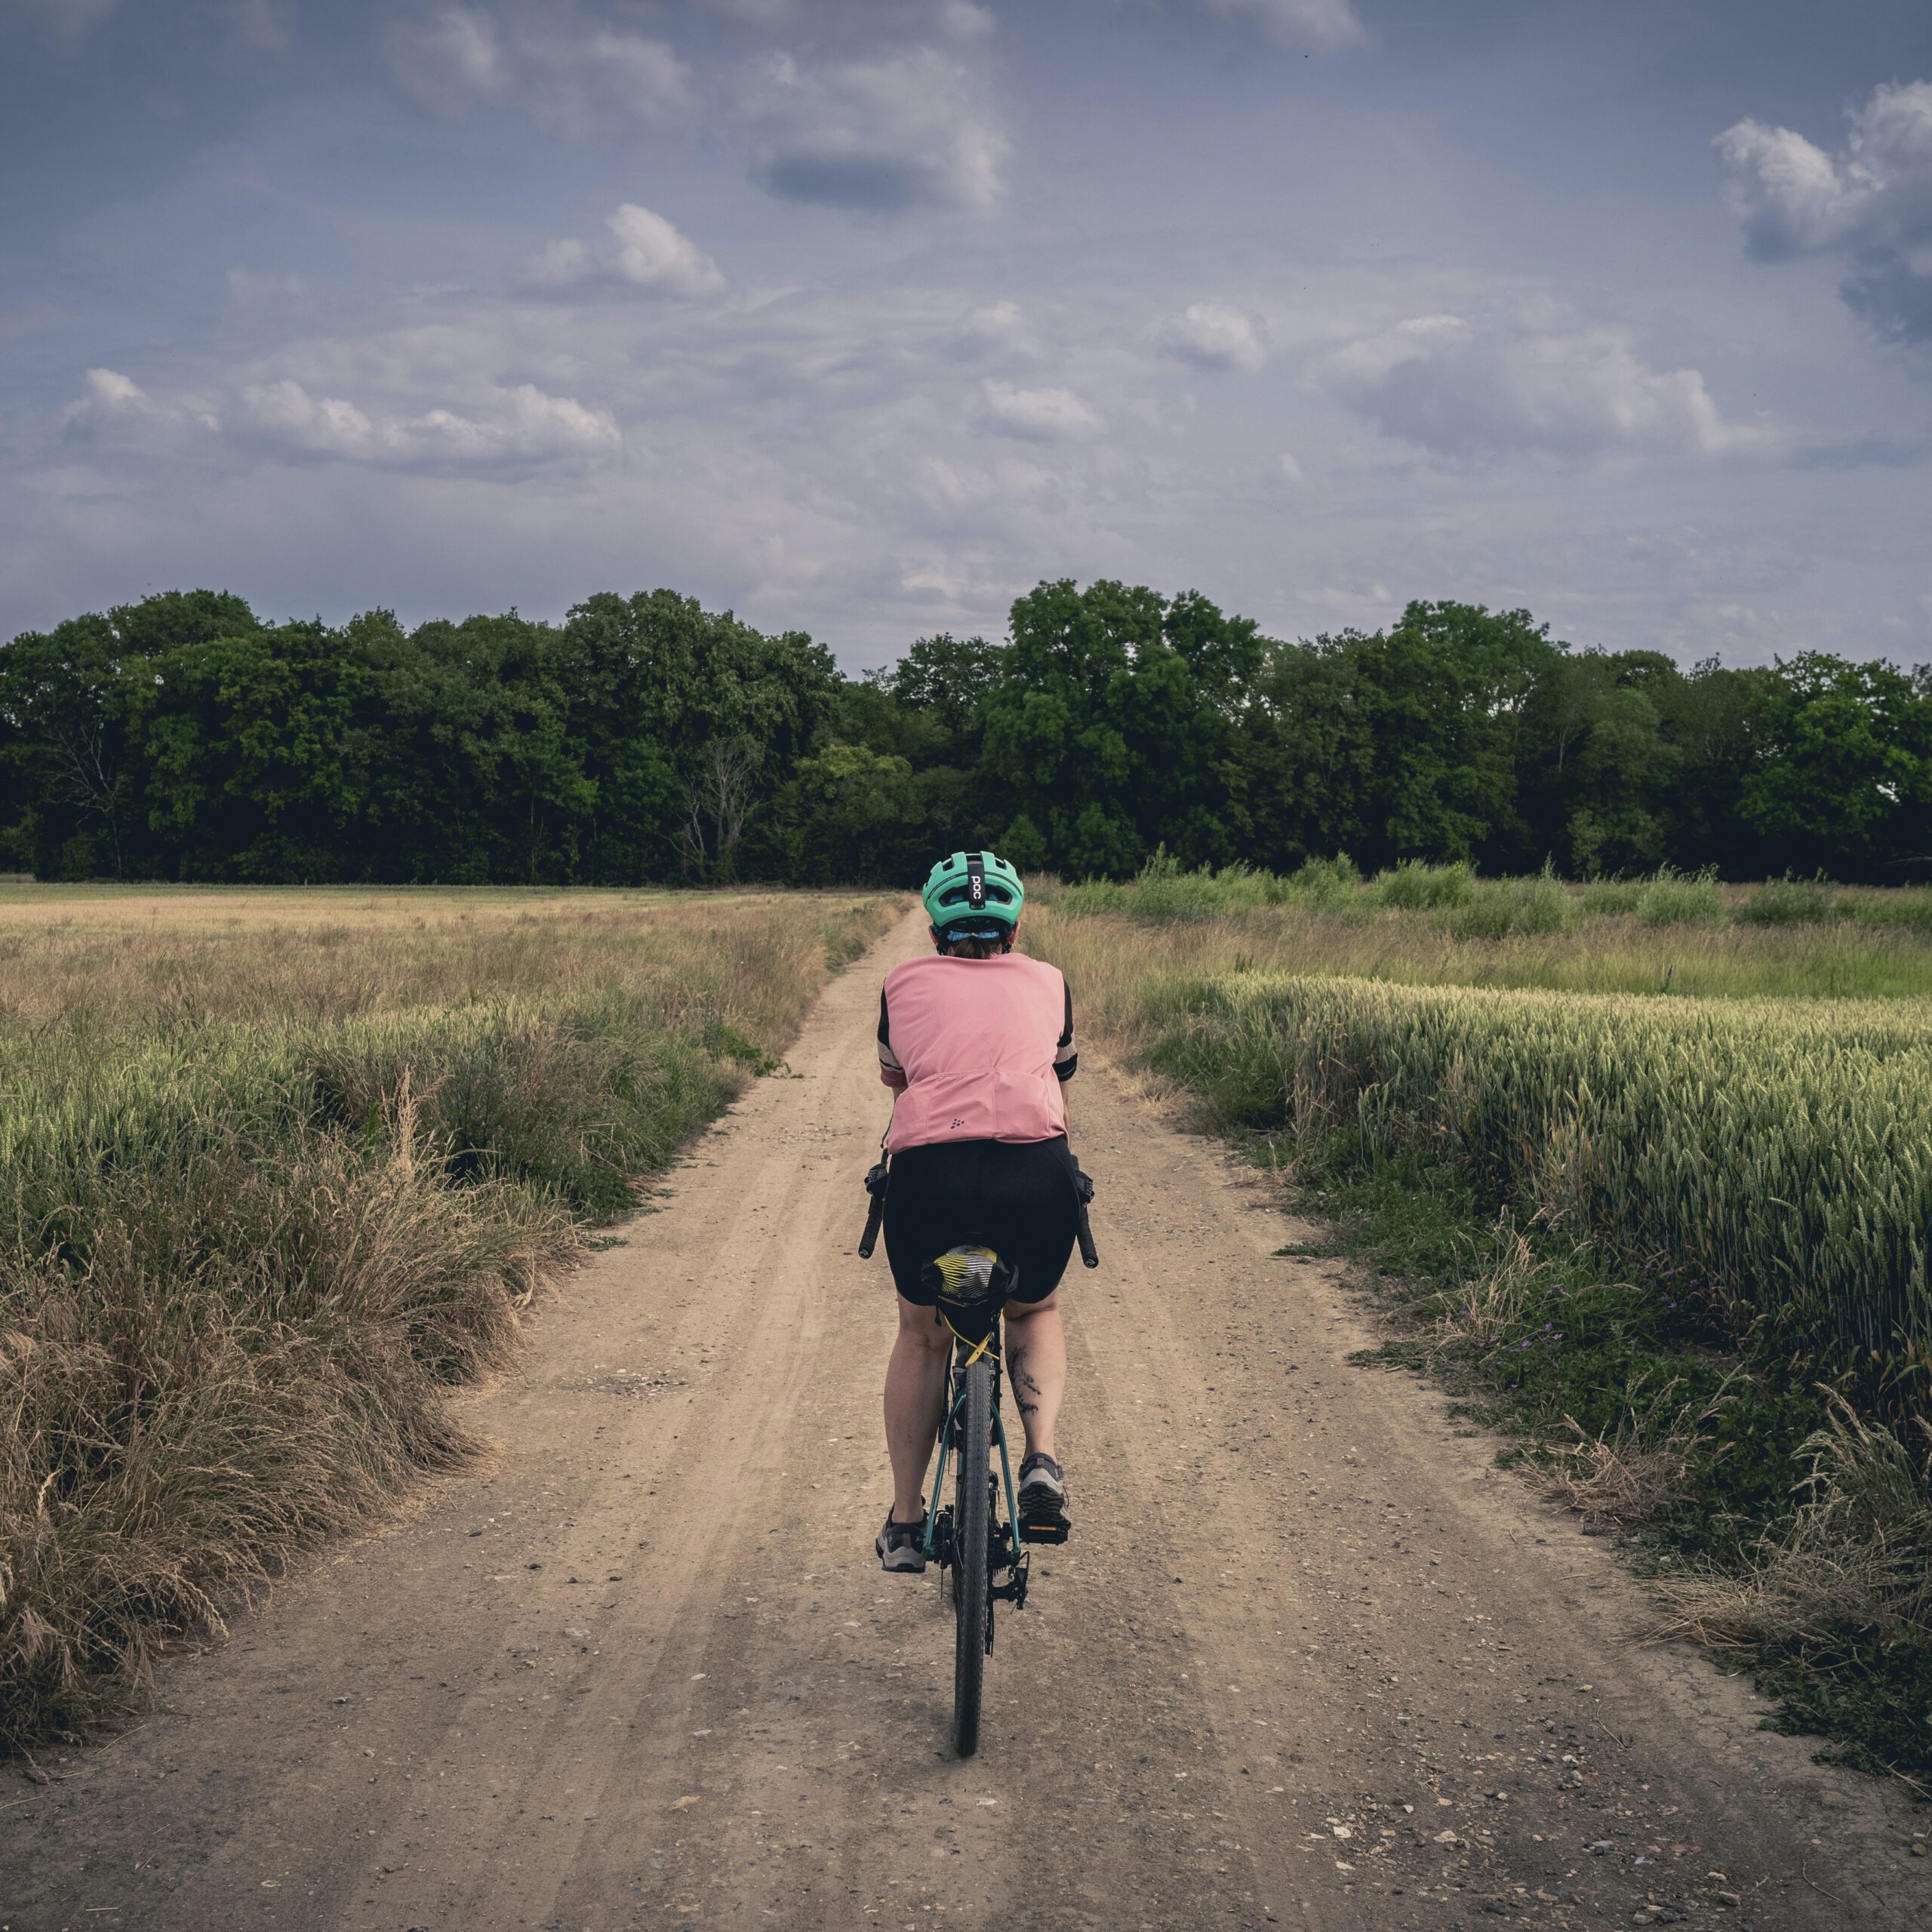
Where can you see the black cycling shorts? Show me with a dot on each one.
(1018, 1198)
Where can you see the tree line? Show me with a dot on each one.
(646, 739)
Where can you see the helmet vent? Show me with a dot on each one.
(979, 887)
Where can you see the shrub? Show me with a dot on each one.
(1162, 890)
(1540, 903)
(1415, 887)
(1609, 899)
(1911, 908)
(1488, 916)
(1680, 899)
(1788, 902)
(1322, 882)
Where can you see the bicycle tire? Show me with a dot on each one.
(972, 1528)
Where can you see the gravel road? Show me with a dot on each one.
(1310, 1660)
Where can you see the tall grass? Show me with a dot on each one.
(267, 1190)
(1680, 1244)
(1781, 1149)
(1783, 1154)
(1678, 933)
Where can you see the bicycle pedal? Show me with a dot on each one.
(1049, 1532)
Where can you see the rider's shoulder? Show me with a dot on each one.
(934, 964)
(909, 970)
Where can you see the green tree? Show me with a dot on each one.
(946, 680)
(849, 815)
(1398, 745)
(1844, 765)
(1111, 723)
(74, 707)
(689, 720)
(254, 769)
(1600, 769)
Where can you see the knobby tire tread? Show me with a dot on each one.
(972, 1513)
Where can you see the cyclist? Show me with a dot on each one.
(975, 1043)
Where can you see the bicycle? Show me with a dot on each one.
(979, 1550)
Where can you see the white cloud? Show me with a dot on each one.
(965, 20)
(1794, 198)
(1038, 416)
(115, 408)
(575, 76)
(887, 111)
(449, 59)
(110, 397)
(1441, 382)
(515, 427)
(820, 457)
(904, 131)
(1212, 337)
(495, 427)
(859, 21)
(116, 417)
(1870, 203)
(650, 253)
(1327, 25)
(1787, 193)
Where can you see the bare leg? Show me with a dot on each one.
(1036, 1361)
(914, 1394)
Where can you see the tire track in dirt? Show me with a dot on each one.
(1310, 1660)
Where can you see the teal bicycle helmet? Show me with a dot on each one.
(973, 895)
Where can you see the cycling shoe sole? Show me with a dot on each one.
(1043, 1517)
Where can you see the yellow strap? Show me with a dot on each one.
(980, 1348)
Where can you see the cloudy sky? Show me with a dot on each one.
(863, 315)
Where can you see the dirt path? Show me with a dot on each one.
(1311, 1661)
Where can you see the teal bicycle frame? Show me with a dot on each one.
(949, 1429)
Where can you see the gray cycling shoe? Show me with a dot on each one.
(1043, 1516)
(902, 1545)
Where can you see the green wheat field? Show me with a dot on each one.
(1641, 1171)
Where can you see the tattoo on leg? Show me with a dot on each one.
(1023, 1385)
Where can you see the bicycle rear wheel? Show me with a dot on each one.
(971, 1576)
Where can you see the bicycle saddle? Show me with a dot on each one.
(971, 1278)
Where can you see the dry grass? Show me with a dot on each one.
(269, 1187)
(107, 958)
(1113, 953)
(1618, 1478)
(251, 1355)
(1628, 1476)
(1488, 1303)
(1858, 1554)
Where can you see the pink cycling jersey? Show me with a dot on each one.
(976, 1049)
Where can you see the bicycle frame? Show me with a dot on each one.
(975, 1368)
(964, 1356)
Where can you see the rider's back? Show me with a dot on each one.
(975, 1041)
